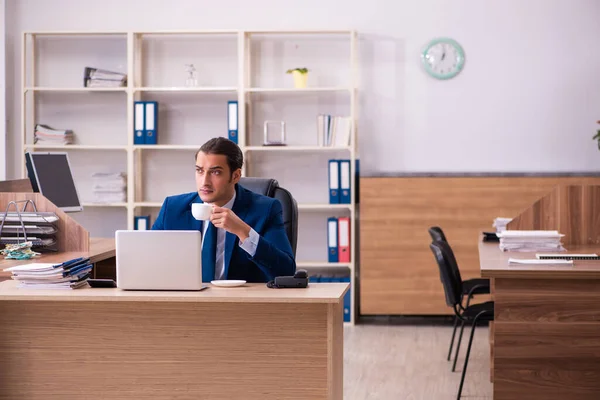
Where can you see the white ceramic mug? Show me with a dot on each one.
(202, 211)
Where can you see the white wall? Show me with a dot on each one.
(527, 99)
(2, 91)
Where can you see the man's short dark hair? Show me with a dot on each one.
(225, 147)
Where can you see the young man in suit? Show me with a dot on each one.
(245, 237)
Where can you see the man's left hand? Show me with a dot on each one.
(226, 219)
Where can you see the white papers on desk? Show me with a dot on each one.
(33, 267)
(500, 224)
(30, 217)
(530, 241)
(535, 261)
(60, 285)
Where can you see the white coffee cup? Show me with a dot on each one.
(202, 211)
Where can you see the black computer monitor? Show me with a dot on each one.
(50, 174)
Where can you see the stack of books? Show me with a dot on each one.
(333, 131)
(534, 241)
(95, 77)
(109, 187)
(44, 134)
(72, 274)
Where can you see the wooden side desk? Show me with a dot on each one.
(101, 251)
(246, 343)
(546, 331)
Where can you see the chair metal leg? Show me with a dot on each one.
(462, 328)
(452, 340)
(464, 371)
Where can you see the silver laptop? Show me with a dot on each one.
(159, 260)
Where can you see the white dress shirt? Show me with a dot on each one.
(249, 244)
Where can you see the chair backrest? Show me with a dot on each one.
(271, 188)
(448, 273)
(437, 234)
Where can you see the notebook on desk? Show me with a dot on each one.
(159, 260)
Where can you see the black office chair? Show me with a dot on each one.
(470, 287)
(453, 289)
(271, 188)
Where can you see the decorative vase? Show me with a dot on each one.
(299, 79)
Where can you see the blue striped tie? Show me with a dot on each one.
(209, 253)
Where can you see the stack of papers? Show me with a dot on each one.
(535, 261)
(40, 228)
(71, 274)
(45, 135)
(109, 188)
(500, 224)
(96, 77)
(530, 241)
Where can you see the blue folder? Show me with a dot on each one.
(334, 182)
(232, 121)
(345, 181)
(139, 122)
(332, 240)
(151, 122)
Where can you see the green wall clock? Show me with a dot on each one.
(443, 58)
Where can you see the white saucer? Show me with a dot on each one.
(228, 283)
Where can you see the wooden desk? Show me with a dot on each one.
(222, 343)
(546, 332)
(101, 249)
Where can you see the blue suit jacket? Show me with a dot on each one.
(273, 257)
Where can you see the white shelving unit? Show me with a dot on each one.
(247, 66)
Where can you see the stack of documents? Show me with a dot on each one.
(94, 77)
(535, 261)
(109, 188)
(530, 241)
(71, 274)
(40, 228)
(333, 131)
(45, 135)
(500, 224)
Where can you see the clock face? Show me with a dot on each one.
(443, 58)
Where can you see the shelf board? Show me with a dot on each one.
(73, 147)
(296, 148)
(184, 89)
(75, 89)
(104, 205)
(303, 90)
(306, 206)
(148, 204)
(323, 264)
(190, 32)
(300, 32)
(75, 33)
(167, 146)
(324, 206)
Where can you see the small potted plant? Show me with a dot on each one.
(597, 137)
(300, 76)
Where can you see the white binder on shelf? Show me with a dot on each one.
(138, 123)
(345, 182)
(232, 121)
(334, 182)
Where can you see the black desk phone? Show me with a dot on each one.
(299, 280)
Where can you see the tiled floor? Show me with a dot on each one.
(409, 362)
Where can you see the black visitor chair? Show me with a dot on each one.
(470, 287)
(453, 290)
